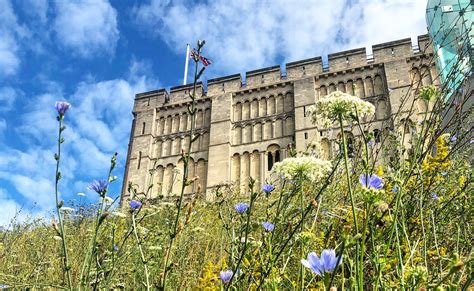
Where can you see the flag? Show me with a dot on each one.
(205, 61)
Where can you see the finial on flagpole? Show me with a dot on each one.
(186, 65)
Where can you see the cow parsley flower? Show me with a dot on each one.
(62, 107)
(226, 276)
(268, 226)
(241, 207)
(340, 104)
(371, 182)
(326, 264)
(267, 188)
(310, 168)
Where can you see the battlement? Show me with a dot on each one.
(384, 52)
(150, 99)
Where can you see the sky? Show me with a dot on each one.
(97, 54)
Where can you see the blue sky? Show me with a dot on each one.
(97, 54)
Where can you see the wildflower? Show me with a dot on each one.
(339, 104)
(268, 226)
(453, 138)
(267, 188)
(115, 248)
(62, 107)
(371, 182)
(395, 189)
(310, 168)
(134, 204)
(98, 186)
(326, 264)
(226, 276)
(67, 209)
(434, 196)
(444, 173)
(241, 207)
(370, 143)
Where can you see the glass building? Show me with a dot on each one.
(450, 27)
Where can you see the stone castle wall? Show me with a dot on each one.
(245, 127)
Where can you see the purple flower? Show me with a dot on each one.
(434, 196)
(134, 204)
(395, 189)
(370, 143)
(62, 107)
(115, 248)
(241, 207)
(326, 264)
(371, 182)
(98, 186)
(267, 188)
(453, 138)
(268, 226)
(226, 276)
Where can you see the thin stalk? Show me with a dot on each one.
(66, 267)
(142, 255)
(301, 235)
(185, 175)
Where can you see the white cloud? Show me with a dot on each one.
(246, 35)
(9, 208)
(10, 33)
(8, 95)
(87, 27)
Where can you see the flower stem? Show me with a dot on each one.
(66, 265)
(142, 255)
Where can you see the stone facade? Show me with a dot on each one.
(245, 127)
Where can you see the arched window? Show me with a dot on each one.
(270, 161)
(273, 156)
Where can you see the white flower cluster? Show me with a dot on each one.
(338, 103)
(307, 167)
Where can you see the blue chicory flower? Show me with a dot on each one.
(116, 248)
(62, 107)
(326, 264)
(226, 276)
(371, 182)
(134, 204)
(268, 226)
(267, 188)
(453, 138)
(370, 143)
(434, 196)
(98, 186)
(241, 207)
(395, 189)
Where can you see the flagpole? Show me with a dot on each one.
(186, 65)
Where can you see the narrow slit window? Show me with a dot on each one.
(277, 156)
(305, 135)
(270, 161)
(143, 127)
(139, 160)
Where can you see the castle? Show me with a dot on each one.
(246, 127)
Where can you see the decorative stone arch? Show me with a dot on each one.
(246, 110)
(350, 87)
(158, 182)
(255, 167)
(176, 122)
(359, 88)
(289, 102)
(196, 146)
(207, 117)
(244, 171)
(289, 126)
(257, 132)
(331, 88)
(166, 149)
(167, 179)
(262, 106)
(341, 87)
(183, 122)
(325, 149)
(175, 146)
(271, 105)
(238, 111)
(279, 103)
(199, 118)
(254, 108)
(201, 172)
(378, 85)
(268, 130)
(369, 86)
(237, 135)
(278, 128)
(169, 122)
(322, 91)
(235, 169)
(246, 133)
(160, 126)
(381, 109)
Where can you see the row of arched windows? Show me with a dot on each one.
(182, 122)
(264, 106)
(361, 87)
(253, 164)
(264, 130)
(173, 146)
(168, 178)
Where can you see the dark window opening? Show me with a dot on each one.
(320, 133)
(277, 156)
(305, 135)
(139, 159)
(377, 135)
(143, 128)
(304, 111)
(270, 161)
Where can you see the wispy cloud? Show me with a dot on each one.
(88, 28)
(244, 35)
